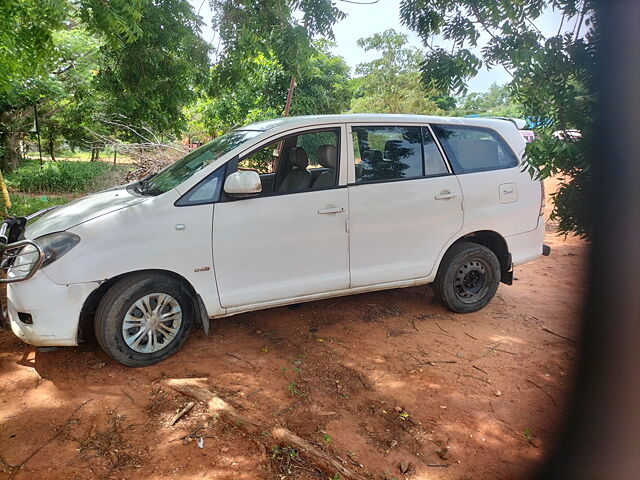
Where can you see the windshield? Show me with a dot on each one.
(178, 172)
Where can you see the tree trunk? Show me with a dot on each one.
(9, 144)
(11, 151)
(219, 408)
(51, 148)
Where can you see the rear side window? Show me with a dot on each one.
(387, 153)
(433, 162)
(474, 149)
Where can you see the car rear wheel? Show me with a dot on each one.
(144, 319)
(468, 277)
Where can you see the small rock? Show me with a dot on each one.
(498, 393)
(443, 453)
(200, 442)
(224, 449)
(404, 466)
(258, 332)
(97, 366)
(393, 443)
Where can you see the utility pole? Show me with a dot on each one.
(292, 87)
(35, 112)
(287, 107)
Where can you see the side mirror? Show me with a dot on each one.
(243, 182)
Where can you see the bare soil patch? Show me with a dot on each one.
(382, 381)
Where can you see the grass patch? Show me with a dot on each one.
(23, 205)
(64, 177)
(76, 155)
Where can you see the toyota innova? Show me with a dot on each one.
(278, 212)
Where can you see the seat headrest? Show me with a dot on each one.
(327, 156)
(372, 156)
(394, 149)
(298, 158)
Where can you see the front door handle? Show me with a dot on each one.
(445, 195)
(330, 209)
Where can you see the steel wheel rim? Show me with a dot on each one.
(152, 323)
(470, 281)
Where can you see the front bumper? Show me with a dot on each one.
(54, 309)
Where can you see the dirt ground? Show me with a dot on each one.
(381, 381)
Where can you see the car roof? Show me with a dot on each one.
(303, 120)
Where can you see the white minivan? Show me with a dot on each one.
(274, 213)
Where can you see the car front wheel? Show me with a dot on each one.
(468, 277)
(144, 319)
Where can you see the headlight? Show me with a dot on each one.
(55, 245)
(24, 262)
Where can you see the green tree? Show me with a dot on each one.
(250, 28)
(391, 83)
(552, 78)
(496, 102)
(323, 87)
(65, 109)
(36, 56)
(149, 80)
(260, 94)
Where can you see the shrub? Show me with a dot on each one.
(60, 177)
(23, 205)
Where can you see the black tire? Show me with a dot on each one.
(468, 277)
(120, 302)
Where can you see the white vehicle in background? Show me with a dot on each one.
(528, 135)
(279, 212)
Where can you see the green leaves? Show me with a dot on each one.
(26, 40)
(148, 81)
(260, 93)
(391, 83)
(449, 72)
(118, 20)
(248, 28)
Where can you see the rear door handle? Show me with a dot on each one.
(445, 195)
(330, 210)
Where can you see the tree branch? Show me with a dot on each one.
(580, 20)
(561, 24)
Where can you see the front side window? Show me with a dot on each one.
(297, 163)
(387, 153)
(474, 149)
(178, 172)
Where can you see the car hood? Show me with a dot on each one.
(82, 210)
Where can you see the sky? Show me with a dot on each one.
(366, 19)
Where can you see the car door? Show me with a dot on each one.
(291, 240)
(404, 203)
(499, 193)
